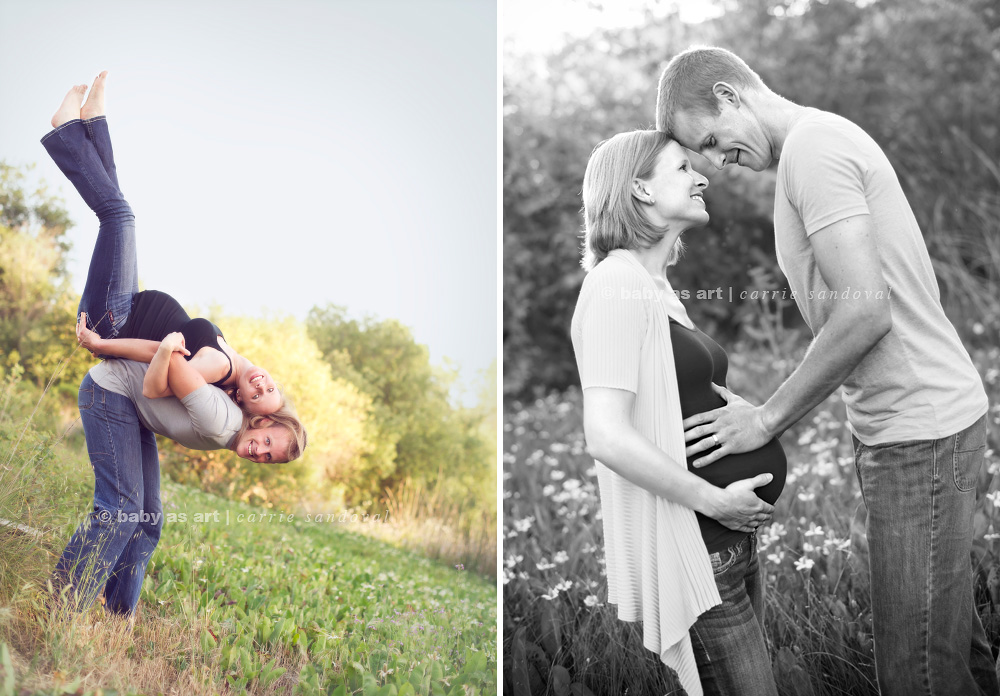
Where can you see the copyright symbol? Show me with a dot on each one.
(607, 293)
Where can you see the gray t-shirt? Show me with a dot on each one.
(918, 382)
(205, 419)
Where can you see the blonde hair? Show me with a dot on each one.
(687, 82)
(613, 216)
(284, 416)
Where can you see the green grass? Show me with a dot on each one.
(266, 607)
(352, 611)
(560, 633)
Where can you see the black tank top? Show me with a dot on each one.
(155, 314)
(699, 361)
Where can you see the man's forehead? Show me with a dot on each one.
(279, 433)
(689, 129)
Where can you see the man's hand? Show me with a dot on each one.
(174, 343)
(736, 427)
(90, 340)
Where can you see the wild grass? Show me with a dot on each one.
(439, 528)
(561, 636)
(237, 599)
(234, 600)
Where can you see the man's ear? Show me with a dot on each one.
(640, 191)
(725, 93)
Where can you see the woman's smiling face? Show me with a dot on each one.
(676, 189)
(257, 392)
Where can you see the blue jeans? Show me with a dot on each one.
(921, 496)
(82, 151)
(112, 547)
(728, 639)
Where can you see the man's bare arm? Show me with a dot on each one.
(847, 259)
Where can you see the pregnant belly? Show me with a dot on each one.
(769, 459)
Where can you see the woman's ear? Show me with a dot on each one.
(641, 192)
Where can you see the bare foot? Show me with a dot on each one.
(70, 107)
(95, 100)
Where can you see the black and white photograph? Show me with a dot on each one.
(751, 374)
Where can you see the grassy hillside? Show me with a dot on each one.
(234, 602)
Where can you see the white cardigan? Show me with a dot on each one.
(657, 564)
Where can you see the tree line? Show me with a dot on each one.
(921, 76)
(378, 413)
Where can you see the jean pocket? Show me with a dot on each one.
(970, 447)
(973, 438)
(86, 399)
(723, 560)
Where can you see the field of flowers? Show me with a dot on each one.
(560, 635)
(241, 600)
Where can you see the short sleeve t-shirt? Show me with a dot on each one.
(205, 419)
(918, 382)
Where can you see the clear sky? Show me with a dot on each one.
(281, 155)
(543, 25)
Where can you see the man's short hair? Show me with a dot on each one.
(686, 83)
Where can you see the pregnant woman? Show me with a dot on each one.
(680, 542)
(124, 322)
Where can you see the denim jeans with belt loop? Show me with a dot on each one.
(921, 497)
(728, 639)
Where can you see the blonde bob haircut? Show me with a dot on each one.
(613, 216)
(687, 83)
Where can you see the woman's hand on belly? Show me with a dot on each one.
(737, 506)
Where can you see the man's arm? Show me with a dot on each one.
(847, 259)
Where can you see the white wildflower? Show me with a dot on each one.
(814, 530)
(525, 524)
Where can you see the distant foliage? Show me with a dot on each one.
(921, 76)
(376, 411)
(37, 304)
(419, 434)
